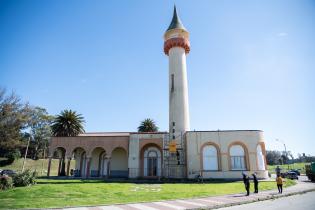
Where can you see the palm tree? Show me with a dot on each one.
(148, 125)
(68, 123)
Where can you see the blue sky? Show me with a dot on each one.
(251, 64)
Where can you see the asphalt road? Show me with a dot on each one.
(295, 202)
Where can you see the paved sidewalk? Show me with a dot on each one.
(207, 202)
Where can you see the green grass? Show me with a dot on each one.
(286, 167)
(62, 193)
(40, 166)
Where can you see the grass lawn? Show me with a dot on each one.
(40, 166)
(61, 193)
(286, 167)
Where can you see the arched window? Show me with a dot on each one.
(210, 158)
(237, 155)
(260, 158)
(152, 153)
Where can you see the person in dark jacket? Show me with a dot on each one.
(278, 170)
(255, 182)
(246, 183)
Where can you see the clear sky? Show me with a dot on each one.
(251, 65)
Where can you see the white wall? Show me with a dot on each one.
(134, 156)
(195, 140)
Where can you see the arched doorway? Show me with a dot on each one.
(152, 162)
(119, 163)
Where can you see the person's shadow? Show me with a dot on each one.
(239, 196)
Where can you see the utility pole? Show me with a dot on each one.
(43, 158)
(285, 148)
(28, 143)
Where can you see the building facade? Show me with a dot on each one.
(179, 153)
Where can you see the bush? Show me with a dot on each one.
(13, 155)
(25, 178)
(6, 182)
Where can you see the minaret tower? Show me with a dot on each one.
(176, 46)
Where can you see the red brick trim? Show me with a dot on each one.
(176, 42)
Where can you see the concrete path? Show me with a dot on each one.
(208, 202)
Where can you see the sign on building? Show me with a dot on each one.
(172, 146)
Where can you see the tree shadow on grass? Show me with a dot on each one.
(70, 182)
(4, 162)
(91, 181)
(56, 180)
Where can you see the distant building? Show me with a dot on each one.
(181, 153)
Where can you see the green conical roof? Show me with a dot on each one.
(176, 23)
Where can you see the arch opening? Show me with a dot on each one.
(59, 153)
(99, 163)
(119, 163)
(79, 155)
(260, 158)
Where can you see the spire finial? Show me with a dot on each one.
(176, 23)
(175, 12)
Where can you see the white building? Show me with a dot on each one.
(181, 153)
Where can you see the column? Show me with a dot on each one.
(59, 167)
(49, 165)
(63, 167)
(68, 166)
(108, 166)
(88, 159)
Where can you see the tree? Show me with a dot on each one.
(40, 131)
(148, 125)
(68, 123)
(284, 158)
(289, 154)
(14, 117)
(273, 157)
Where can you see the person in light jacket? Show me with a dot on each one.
(279, 181)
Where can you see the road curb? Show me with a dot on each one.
(269, 197)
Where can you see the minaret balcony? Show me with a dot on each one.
(176, 42)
